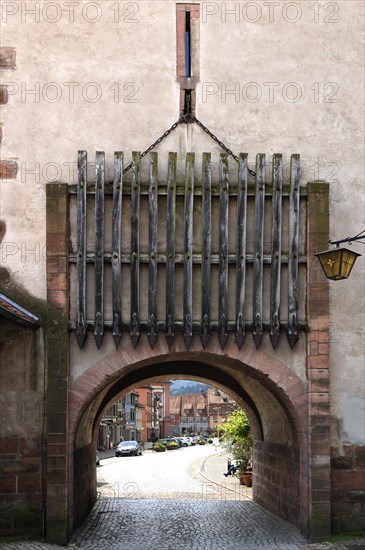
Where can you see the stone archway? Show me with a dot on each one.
(273, 396)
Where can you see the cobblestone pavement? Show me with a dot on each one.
(223, 517)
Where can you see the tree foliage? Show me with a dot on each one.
(238, 439)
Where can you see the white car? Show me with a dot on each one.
(186, 442)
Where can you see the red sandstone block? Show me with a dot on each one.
(56, 244)
(3, 95)
(62, 265)
(52, 265)
(321, 496)
(319, 374)
(359, 453)
(319, 386)
(316, 276)
(29, 484)
(323, 349)
(301, 402)
(56, 462)
(8, 169)
(313, 348)
(319, 336)
(318, 362)
(319, 413)
(57, 299)
(57, 224)
(319, 397)
(8, 445)
(7, 484)
(56, 449)
(7, 57)
(348, 479)
(56, 438)
(30, 447)
(56, 281)
(320, 448)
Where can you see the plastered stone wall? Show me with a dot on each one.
(102, 75)
(274, 77)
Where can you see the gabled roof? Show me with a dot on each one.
(13, 311)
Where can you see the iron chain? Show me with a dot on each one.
(184, 119)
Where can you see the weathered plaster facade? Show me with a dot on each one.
(273, 76)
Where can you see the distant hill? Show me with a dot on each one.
(180, 387)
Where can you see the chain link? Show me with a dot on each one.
(184, 119)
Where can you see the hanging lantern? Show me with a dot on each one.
(337, 263)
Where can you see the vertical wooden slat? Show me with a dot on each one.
(292, 333)
(207, 247)
(81, 249)
(223, 249)
(241, 250)
(170, 248)
(188, 249)
(277, 166)
(116, 246)
(152, 266)
(259, 249)
(99, 248)
(135, 204)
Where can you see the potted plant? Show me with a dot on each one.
(238, 442)
(243, 451)
(159, 447)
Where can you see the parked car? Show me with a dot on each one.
(131, 448)
(97, 458)
(186, 442)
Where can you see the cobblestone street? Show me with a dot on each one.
(205, 512)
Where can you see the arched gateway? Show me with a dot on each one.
(172, 276)
(274, 398)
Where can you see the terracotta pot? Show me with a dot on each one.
(241, 478)
(247, 478)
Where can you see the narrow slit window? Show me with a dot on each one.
(187, 45)
(187, 40)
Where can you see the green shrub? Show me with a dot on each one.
(159, 447)
(171, 445)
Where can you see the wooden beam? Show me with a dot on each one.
(259, 249)
(170, 248)
(116, 246)
(277, 168)
(292, 333)
(135, 205)
(241, 250)
(99, 248)
(188, 249)
(81, 249)
(207, 248)
(152, 267)
(223, 250)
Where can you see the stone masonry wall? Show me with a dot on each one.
(21, 430)
(276, 477)
(348, 488)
